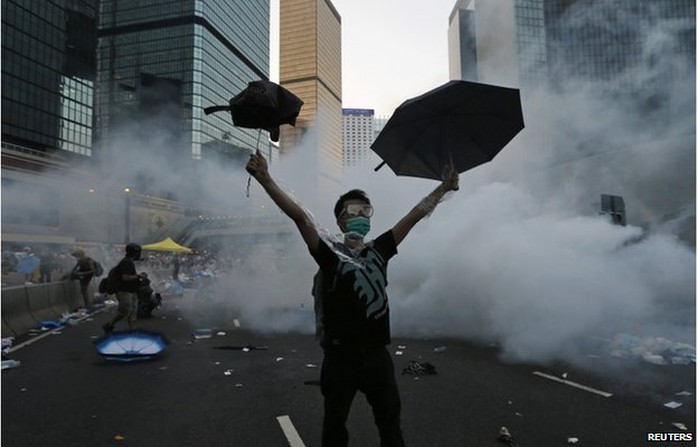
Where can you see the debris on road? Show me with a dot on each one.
(673, 404)
(419, 369)
(572, 441)
(440, 349)
(680, 425)
(655, 350)
(246, 348)
(202, 334)
(7, 364)
(7, 344)
(505, 436)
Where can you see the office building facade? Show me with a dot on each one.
(91, 86)
(310, 66)
(358, 130)
(602, 40)
(633, 60)
(482, 43)
(162, 62)
(48, 75)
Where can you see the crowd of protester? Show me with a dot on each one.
(55, 262)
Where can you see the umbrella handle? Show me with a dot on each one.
(214, 109)
(378, 167)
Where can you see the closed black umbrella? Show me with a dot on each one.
(461, 124)
(262, 105)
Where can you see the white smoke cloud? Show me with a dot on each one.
(520, 255)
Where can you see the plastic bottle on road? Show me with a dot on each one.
(7, 364)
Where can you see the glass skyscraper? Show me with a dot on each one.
(87, 82)
(48, 75)
(624, 70)
(162, 62)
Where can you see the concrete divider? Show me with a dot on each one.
(73, 297)
(39, 303)
(25, 307)
(15, 311)
(57, 298)
(7, 330)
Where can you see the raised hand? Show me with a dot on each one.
(257, 165)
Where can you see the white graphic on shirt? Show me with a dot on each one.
(370, 283)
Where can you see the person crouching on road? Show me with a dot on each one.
(129, 282)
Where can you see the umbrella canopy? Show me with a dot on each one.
(262, 105)
(460, 124)
(131, 345)
(27, 264)
(167, 245)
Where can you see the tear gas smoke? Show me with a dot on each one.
(519, 255)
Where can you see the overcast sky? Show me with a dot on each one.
(392, 50)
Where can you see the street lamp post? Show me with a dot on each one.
(127, 215)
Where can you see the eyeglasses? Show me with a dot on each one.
(355, 209)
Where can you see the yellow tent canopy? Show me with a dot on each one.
(167, 245)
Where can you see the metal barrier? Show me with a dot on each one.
(25, 307)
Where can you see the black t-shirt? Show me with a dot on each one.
(352, 306)
(126, 266)
(84, 265)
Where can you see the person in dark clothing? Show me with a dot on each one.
(175, 268)
(146, 298)
(47, 265)
(83, 271)
(128, 284)
(351, 304)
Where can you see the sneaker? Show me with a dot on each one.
(108, 329)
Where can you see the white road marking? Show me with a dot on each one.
(573, 384)
(294, 440)
(236, 322)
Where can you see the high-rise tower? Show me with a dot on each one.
(162, 63)
(310, 66)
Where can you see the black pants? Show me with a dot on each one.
(345, 371)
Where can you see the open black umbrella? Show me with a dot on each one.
(461, 124)
(262, 105)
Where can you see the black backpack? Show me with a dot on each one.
(110, 284)
(99, 270)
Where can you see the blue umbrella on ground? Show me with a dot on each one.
(129, 346)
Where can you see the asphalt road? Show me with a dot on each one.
(65, 394)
